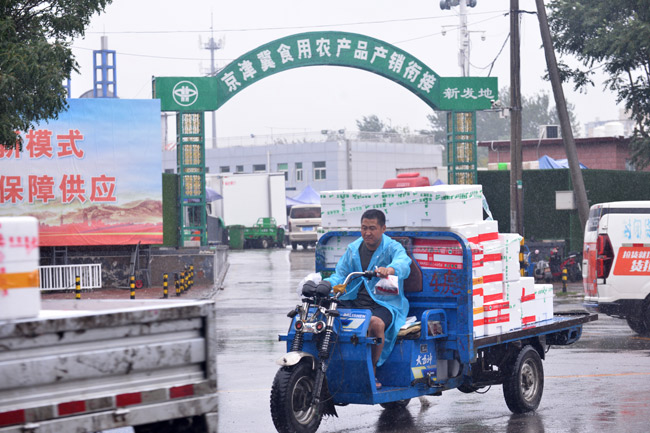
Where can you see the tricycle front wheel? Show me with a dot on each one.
(291, 398)
(524, 383)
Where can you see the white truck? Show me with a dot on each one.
(92, 365)
(616, 262)
(248, 197)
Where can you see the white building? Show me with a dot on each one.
(335, 162)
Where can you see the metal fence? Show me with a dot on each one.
(62, 277)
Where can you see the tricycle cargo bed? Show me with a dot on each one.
(79, 358)
(565, 328)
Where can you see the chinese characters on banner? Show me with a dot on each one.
(360, 51)
(33, 188)
(328, 48)
(91, 177)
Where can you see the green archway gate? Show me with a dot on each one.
(192, 96)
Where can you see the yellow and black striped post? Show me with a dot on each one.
(132, 285)
(564, 278)
(183, 281)
(177, 285)
(522, 258)
(77, 287)
(191, 276)
(165, 292)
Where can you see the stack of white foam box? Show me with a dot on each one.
(448, 254)
(494, 317)
(20, 295)
(433, 206)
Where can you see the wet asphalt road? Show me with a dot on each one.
(601, 383)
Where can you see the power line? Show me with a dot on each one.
(155, 57)
(452, 28)
(255, 29)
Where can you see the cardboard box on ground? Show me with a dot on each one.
(502, 300)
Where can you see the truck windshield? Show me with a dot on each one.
(305, 212)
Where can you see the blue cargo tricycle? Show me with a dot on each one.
(328, 360)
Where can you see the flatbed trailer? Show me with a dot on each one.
(92, 365)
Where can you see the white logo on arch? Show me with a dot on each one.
(185, 93)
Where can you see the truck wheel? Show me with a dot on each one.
(294, 246)
(265, 243)
(395, 405)
(637, 325)
(291, 395)
(524, 382)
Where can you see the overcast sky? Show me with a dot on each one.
(164, 38)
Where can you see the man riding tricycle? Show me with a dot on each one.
(344, 344)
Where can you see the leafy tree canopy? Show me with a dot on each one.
(535, 112)
(613, 35)
(35, 58)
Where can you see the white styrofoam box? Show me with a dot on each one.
(536, 310)
(20, 303)
(536, 302)
(493, 292)
(488, 230)
(19, 240)
(20, 296)
(446, 206)
(479, 322)
(433, 206)
(492, 272)
(344, 208)
(497, 317)
(492, 250)
(511, 247)
(479, 314)
(443, 254)
(512, 290)
(468, 231)
(477, 297)
(334, 249)
(530, 290)
(515, 316)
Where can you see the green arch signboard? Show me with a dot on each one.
(326, 49)
(192, 96)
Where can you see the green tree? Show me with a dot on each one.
(373, 123)
(35, 59)
(613, 35)
(536, 111)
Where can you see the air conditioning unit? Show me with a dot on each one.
(549, 131)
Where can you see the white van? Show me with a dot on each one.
(304, 221)
(616, 262)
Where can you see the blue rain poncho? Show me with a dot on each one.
(390, 253)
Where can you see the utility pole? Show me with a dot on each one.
(565, 122)
(516, 165)
(213, 46)
(463, 59)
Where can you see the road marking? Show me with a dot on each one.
(641, 338)
(598, 375)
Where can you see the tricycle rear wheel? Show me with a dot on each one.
(291, 397)
(394, 405)
(524, 384)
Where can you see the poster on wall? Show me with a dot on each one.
(90, 177)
